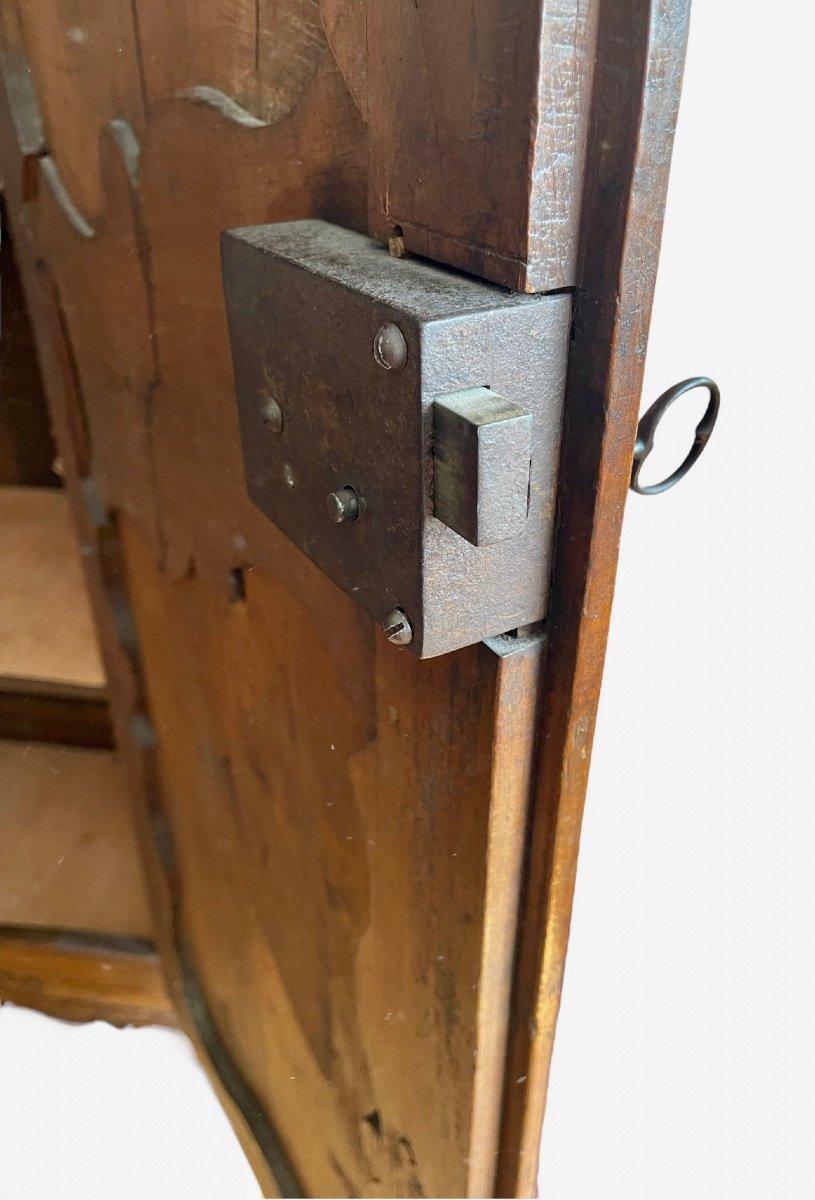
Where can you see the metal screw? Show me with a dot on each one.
(343, 505)
(390, 348)
(271, 413)
(397, 628)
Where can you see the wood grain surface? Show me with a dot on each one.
(334, 833)
(334, 818)
(477, 119)
(637, 84)
(77, 977)
(260, 886)
(46, 628)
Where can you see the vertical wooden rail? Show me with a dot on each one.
(637, 83)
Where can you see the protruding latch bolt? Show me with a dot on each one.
(397, 628)
(343, 505)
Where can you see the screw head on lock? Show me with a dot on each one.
(397, 628)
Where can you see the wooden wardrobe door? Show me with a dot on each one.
(340, 838)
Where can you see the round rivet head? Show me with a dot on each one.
(271, 413)
(343, 505)
(390, 348)
(397, 628)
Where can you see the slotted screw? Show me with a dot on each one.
(397, 628)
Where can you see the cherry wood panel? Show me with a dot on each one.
(254, 62)
(477, 113)
(337, 848)
(83, 58)
(317, 920)
(134, 735)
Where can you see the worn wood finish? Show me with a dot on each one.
(477, 116)
(359, 897)
(81, 977)
(332, 830)
(115, 626)
(135, 737)
(171, 335)
(638, 76)
(95, 43)
(253, 62)
(234, 876)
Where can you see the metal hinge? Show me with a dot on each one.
(401, 424)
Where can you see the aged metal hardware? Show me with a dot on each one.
(271, 414)
(369, 360)
(482, 446)
(397, 628)
(343, 505)
(646, 431)
(390, 348)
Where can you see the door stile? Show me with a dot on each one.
(640, 42)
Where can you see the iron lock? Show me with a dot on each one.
(400, 423)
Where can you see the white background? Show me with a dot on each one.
(89, 1112)
(685, 1058)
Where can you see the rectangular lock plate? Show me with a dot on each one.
(401, 424)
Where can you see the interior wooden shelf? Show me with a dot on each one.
(68, 853)
(75, 930)
(46, 628)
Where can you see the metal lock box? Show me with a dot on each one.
(401, 423)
